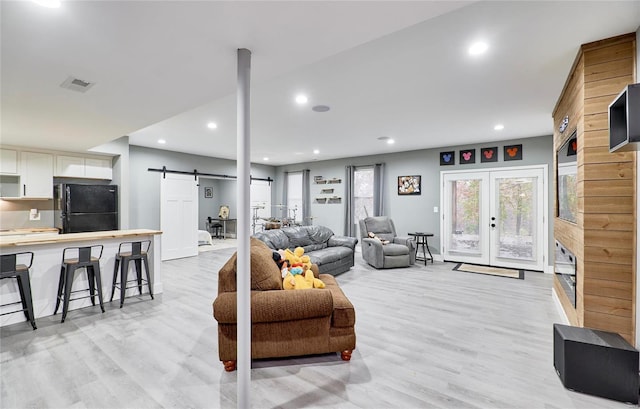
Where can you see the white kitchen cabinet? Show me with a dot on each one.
(8, 162)
(98, 168)
(36, 174)
(83, 167)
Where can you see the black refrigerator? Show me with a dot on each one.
(82, 208)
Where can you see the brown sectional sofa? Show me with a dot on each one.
(283, 322)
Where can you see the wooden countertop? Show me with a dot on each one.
(17, 232)
(31, 240)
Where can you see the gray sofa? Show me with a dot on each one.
(333, 254)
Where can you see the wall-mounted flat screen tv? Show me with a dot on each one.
(624, 119)
(567, 182)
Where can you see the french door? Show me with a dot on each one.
(495, 217)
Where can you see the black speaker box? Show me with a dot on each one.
(596, 363)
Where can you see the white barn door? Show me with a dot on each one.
(179, 216)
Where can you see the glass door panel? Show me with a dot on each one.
(464, 212)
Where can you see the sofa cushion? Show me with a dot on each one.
(265, 274)
(313, 247)
(330, 254)
(297, 236)
(275, 239)
(380, 226)
(319, 234)
(392, 249)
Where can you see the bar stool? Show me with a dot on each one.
(9, 268)
(135, 251)
(214, 227)
(85, 259)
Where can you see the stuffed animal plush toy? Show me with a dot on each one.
(299, 276)
(373, 236)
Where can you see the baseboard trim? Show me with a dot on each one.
(556, 302)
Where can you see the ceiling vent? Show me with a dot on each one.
(76, 84)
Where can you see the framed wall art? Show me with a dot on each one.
(489, 154)
(467, 156)
(447, 158)
(513, 152)
(409, 185)
(208, 192)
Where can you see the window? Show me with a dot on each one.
(293, 212)
(363, 193)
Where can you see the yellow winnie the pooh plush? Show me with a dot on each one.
(299, 275)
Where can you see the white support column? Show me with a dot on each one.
(244, 256)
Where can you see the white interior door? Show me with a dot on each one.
(178, 216)
(495, 217)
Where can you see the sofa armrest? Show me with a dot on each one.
(372, 252)
(345, 241)
(410, 242)
(276, 305)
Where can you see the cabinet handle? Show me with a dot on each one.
(24, 190)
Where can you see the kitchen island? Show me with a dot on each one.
(47, 259)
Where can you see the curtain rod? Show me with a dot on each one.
(195, 174)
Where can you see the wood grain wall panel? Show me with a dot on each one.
(618, 187)
(599, 138)
(606, 271)
(609, 87)
(609, 204)
(601, 154)
(605, 239)
(608, 305)
(624, 49)
(596, 122)
(608, 255)
(608, 69)
(606, 221)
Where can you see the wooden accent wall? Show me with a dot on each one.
(603, 239)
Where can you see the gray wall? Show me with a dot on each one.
(145, 186)
(415, 213)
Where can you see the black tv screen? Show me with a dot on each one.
(567, 181)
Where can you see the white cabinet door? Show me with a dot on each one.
(36, 174)
(69, 166)
(97, 168)
(8, 161)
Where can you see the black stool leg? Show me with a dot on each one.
(124, 272)
(138, 264)
(60, 288)
(92, 285)
(68, 281)
(115, 277)
(24, 283)
(96, 274)
(146, 267)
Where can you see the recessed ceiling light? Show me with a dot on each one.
(498, 127)
(265, 159)
(161, 141)
(301, 99)
(320, 108)
(52, 4)
(390, 141)
(316, 151)
(212, 125)
(478, 48)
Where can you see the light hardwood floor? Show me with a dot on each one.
(427, 337)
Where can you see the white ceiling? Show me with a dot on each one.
(163, 69)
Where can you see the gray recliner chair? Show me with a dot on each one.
(398, 252)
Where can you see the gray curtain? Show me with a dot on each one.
(349, 225)
(285, 192)
(306, 198)
(378, 189)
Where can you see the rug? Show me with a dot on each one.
(218, 244)
(494, 271)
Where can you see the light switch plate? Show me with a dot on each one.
(435, 209)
